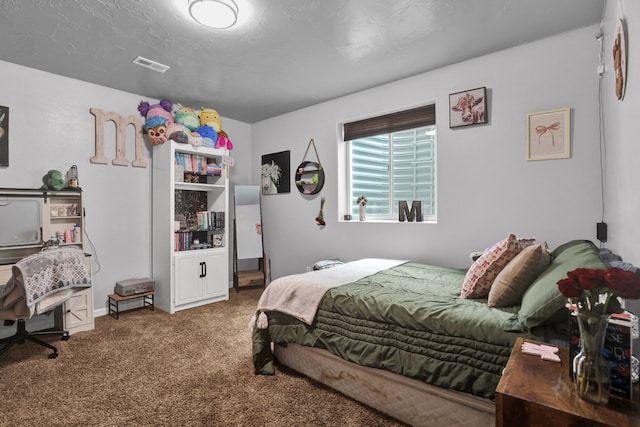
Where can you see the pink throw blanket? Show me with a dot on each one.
(299, 295)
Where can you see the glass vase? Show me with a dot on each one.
(592, 374)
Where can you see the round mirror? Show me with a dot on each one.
(309, 177)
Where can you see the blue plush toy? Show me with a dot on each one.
(209, 136)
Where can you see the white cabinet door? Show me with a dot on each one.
(5, 273)
(188, 280)
(215, 279)
(78, 312)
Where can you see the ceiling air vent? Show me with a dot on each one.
(153, 65)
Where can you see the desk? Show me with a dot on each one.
(115, 300)
(534, 392)
(76, 314)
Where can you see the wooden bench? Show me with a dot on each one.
(115, 300)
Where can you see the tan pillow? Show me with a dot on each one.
(512, 282)
(484, 270)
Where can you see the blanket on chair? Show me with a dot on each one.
(46, 279)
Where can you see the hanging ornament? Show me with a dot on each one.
(320, 217)
(620, 59)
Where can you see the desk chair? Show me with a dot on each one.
(23, 335)
(40, 283)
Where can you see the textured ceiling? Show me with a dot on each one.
(282, 56)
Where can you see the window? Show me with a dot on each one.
(392, 158)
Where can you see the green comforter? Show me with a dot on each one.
(409, 320)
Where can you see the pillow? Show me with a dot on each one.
(523, 242)
(511, 283)
(484, 270)
(542, 302)
(326, 263)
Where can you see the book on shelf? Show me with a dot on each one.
(213, 169)
(203, 220)
(198, 163)
(617, 350)
(191, 162)
(217, 220)
(186, 240)
(182, 241)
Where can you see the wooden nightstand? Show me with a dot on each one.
(534, 392)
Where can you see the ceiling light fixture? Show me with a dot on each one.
(218, 14)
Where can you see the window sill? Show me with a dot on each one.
(387, 221)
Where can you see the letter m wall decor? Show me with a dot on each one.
(121, 127)
(415, 213)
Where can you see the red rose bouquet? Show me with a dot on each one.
(595, 294)
(597, 291)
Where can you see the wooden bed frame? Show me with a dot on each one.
(406, 399)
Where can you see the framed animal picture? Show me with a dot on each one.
(275, 173)
(468, 107)
(620, 59)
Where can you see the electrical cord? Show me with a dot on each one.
(93, 248)
(601, 124)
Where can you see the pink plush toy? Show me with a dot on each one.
(224, 141)
(163, 109)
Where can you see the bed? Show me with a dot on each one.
(400, 336)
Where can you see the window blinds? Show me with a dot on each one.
(393, 122)
(392, 167)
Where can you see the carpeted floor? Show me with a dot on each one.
(149, 368)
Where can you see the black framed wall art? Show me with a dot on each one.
(468, 107)
(275, 173)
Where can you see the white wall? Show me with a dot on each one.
(622, 211)
(622, 194)
(486, 187)
(51, 128)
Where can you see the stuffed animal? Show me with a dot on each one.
(186, 116)
(210, 118)
(178, 133)
(53, 180)
(210, 124)
(153, 114)
(224, 141)
(156, 128)
(195, 139)
(209, 136)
